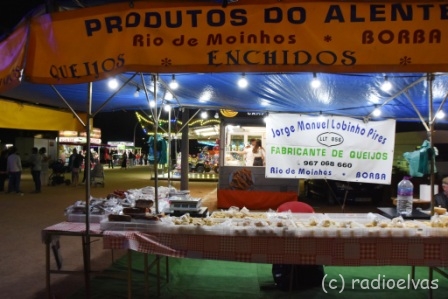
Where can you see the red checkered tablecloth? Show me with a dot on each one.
(418, 251)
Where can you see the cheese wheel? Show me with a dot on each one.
(439, 210)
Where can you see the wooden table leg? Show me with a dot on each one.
(413, 276)
(431, 272)
(291, 278)
(47, 267)
(167, 268)
(146, 275)
(129, 274)
(158, 257)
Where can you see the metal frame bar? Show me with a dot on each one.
(113, 95)
(416, 110)
(393, 97)
(68, 105)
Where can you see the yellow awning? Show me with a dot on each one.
(28, 117)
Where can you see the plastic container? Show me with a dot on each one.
(405, 197)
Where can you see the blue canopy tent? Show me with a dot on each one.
(413, 96)
(355, 95)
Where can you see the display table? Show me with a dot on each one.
(273, 245)
(50, 236)
(366, 251)
(329, 251)
(253, 200)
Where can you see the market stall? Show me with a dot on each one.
(317, 46)
(69, 140)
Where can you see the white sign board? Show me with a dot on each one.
(333, 147)
(80, 140)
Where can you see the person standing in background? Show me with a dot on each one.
(3, 169)
(124, 160)
(137, 158)
(36, 167)
(259, 154)
(87, 165)
(74, 163)
(131, 158)
(14, 168)
(247, 152)
(45, 166)
(108, 159)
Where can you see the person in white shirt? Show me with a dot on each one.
(248, 153)
(14, 169)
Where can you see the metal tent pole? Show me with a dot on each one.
(86, 243)
(156, 162)
(431, 139)
(169, 145)
(184, 168)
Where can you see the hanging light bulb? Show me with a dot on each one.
(242, 82)
(216, 115)
(265, 117)
(167, 107)
(112, 83)
(137, 92)
(205, 96)
(386, 86)
(204, 115)
(173, 84)
(152, 103)
(168, 96)
(440, 114)
(376, 112)
(315, 83)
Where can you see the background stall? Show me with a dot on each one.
(261, 193)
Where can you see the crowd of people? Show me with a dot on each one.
(128, 159)
(11, 169)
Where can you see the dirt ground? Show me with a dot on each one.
(22, 253)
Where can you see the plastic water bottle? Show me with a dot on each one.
(404, 197)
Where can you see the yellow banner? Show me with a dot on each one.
(12, 53)
(247, 36)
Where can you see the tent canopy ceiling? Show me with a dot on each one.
(354, 95)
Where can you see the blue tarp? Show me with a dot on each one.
(354, 95)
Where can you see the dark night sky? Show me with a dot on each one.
(11, 12)
(115, 126)
(118, 126)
